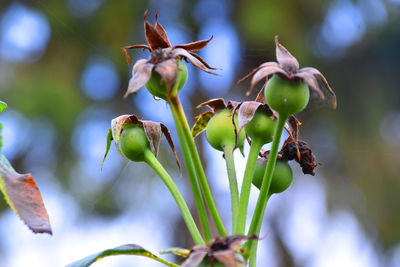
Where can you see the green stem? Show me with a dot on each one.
(258, 215)
(198, 198)
(254, 244)
(246, 186)
(233, 186)
(150, 159)
(181, 120)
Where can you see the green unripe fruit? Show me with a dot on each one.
(134, 142)
(220, 132)
(285, 96)
(157, 87)
(261, 127)
(281, 179)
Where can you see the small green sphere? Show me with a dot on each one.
(134, 142)
(220, 132)
(281, 179)
(285, 96)
(261, 127)
(159, 88)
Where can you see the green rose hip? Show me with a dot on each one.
(134, 142)
(286, 96)
(281, 179)
(220, 131)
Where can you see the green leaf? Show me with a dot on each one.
(3, 106)
(23, 196)
(129, 249)
(201, 123)
(109, 139)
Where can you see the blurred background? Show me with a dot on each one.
(63, 76)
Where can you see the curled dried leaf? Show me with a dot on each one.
(215, 104)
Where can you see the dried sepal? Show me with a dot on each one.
(202, 60)
(161, 31)
(167, 135)
(153, 36)
(195, 46)
(288, 62)
(141, 74)
(215, 104)
(180, 52)
(201, 122)
(246, 112)
(125, 50)
(167, 70)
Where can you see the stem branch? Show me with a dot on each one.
(233, 186)
(159, 169)
(181, 120)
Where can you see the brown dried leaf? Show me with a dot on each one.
(201, 123)
(215, 104)
(194, 46)
(23, 196)
(160, 29)
(288, 62)
(141, 74)
(153, 37)
(167, 135)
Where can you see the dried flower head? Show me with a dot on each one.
(222, 249)
(288, 67)
(164, 59)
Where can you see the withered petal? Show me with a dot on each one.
(195, 46)
(153, 37)
(167, 135)
(215, 104)
(197, 63)
(160, 29)
(124, 49)
(167, 70)
(317, 73)
(117, 125)
(264, 73)
(226, 257)
(141, 73)
(311, 81)
(288, 62)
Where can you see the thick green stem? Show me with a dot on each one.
(181, 120)
(159, 169)
(246, 186)
(233, 186)
(256, 222)
(198, 198)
